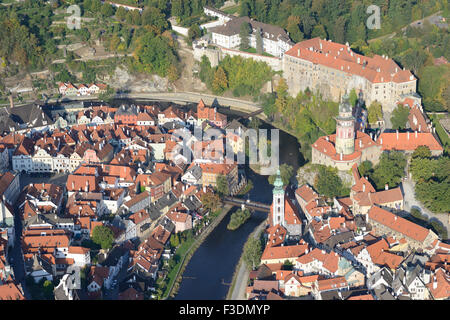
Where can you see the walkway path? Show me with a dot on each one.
(190, 252)
(412, 202)
(240, 279)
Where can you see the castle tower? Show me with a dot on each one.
(278, 201)
(345, 128)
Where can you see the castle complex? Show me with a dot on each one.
(345, 148)
(349, 146)
(333, 69)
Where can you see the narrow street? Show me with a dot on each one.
(113, 292)
(16, 255)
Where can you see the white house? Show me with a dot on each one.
(275, 40)
(42, 161)
(80, 255)
(193, 175)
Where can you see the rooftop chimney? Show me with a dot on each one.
(386, 186)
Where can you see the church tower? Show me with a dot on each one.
(345, 128)
(278, 201)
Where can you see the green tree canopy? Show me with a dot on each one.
(153, 54)
(374, 112)
(328, 183)
(252, 253)
(222, 185)
(286, 172)
(211, 201)
(400, 117)
(365, 168)
(220, 82)
(107, 10)
(244, 34)
(421, 152)
(390, 169)
(103, 236)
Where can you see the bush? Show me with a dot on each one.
(328, 183)
(238, 218)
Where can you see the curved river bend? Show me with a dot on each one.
(210, 271)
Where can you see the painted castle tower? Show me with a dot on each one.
(345, 128)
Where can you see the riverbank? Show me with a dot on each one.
(175, 281)
(241, 273)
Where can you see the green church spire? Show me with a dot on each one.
(278, 189)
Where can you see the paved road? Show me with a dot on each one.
(243, 273)
(16, 255)
(59, 179)
(180, 97)
(412, 202)
(113, 292)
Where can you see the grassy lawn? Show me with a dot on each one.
(445, 140)
(231, 9)
(181, 251)
(253, 50)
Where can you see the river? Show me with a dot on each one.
(210, 271)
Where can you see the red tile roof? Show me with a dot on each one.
(376, 69)
(406, 141)
(399, 224)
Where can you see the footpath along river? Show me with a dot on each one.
(209, 273)
(210, 270)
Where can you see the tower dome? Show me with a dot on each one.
(345, 128)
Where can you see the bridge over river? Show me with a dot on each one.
(258, 206)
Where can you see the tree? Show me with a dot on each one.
(353, 97)
(121, 13)
(287, 265)
(421, 152)
(220, 82)
(400, 117)
(103, 236)
(328, 183)
(173, 74)
(365, 168)
(177, 8)
(64, 76)
(194, 32)
(282, 95)
(175, 240)
(210, 201)
(222, 185)
(206, 72)
(152, 16)
(414, 59)
(374, 112)
(259, 42)
(107, 10)
(238, 218)
(47, 290)
(293, 27)
(153, 54)
(319, 31)
(252, 253)
(390, 170)
(286, 172)
(244, 33)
